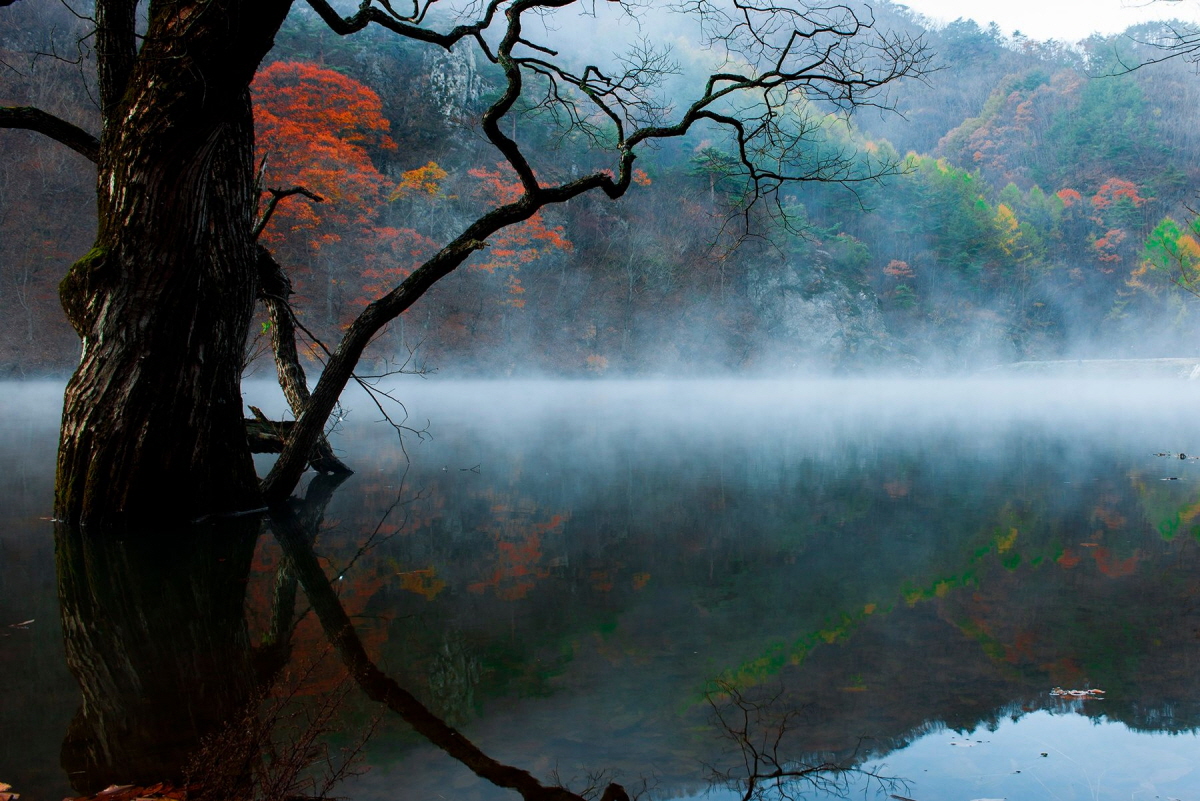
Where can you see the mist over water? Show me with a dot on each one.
(677, 453)
(768, 515)
(561, 569)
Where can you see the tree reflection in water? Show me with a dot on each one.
(155, 634)
(763, 761)
(174, 691)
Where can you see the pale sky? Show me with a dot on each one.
(1065, 20)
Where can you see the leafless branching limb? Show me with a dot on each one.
(278, 195)
(377, 537)
(761, 763)
(1173, 40)
(783, 65)
(593, 784)
(278, 747)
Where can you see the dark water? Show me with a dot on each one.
(579, 574)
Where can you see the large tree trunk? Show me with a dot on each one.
(152, 422)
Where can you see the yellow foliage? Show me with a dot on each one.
(1005, 542)
(427, 180)
(1010, 233)
(1189, 248)
(423, 582)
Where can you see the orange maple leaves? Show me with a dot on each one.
(320, 129)
(317, 128)
(1069, 197)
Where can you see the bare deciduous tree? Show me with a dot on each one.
(152, 424)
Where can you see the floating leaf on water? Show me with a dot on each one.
(1059, 692)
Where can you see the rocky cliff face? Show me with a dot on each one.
(455, 81)
(815, 316)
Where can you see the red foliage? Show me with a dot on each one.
(516, 245)
(1069, 197)
(898, 269)
(319, 129)
(519, 560)
(1113, 567)
(1115, 189)
(1106, 248)
(316, 128)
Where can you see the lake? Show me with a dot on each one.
(650, 580)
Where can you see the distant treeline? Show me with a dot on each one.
(1041, 212)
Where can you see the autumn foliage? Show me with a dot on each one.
(1115, 190)
(1069, 197)
(324, 131)
(518, 245)
(317, 129)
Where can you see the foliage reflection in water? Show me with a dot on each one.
(572, 573)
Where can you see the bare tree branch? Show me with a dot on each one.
(758, 726)
(792, 63)
(408, 26)
(61, 131)
(274, 291)
(1174, 41)
(278, 195)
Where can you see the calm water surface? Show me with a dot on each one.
(582, 575)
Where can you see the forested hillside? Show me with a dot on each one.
(1042, 212)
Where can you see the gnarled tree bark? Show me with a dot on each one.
(152, 424)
